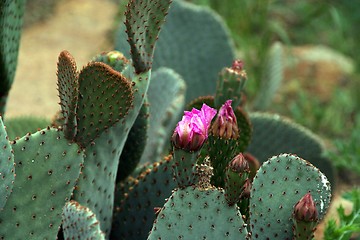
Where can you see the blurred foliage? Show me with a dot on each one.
(347, 153)
(348, 224)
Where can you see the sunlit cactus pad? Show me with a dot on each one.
(279, 184)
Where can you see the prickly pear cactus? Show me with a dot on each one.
(278, 185)
(271, 78)
(80, 223)
(47, 167)
(7, 169)
(135, 210)
(68, 87)
(11, 19)
(16, 127)
(191, 35)
(135, 144)
(273, 135)
(193, 213)
(97, 183)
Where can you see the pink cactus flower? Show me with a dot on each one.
(192, 131)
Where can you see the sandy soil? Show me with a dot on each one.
(79, 26)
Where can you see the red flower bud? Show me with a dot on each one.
(305, 210)
(225, 125)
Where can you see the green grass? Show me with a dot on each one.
(348, 224)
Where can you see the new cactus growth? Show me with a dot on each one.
(85, 173)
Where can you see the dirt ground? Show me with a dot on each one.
(79, 26)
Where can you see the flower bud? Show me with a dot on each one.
(236, 175)
(254, 164)
(305, 210)
(237, 65)
(225, 125)
(239, 164)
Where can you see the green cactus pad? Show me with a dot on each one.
(143, 22)
(165, 110)
(17, 127)
(190, 36)
(134, 216)
(47, 167)
(221, 152)
(80, 223)
(278, 185)
(271, 78)
(135, 144)
(11, 18)
(68, 87)
(7, 169)
(273, 135)
(95, 188)
(123, 187)
(198, 214)
(105, 98)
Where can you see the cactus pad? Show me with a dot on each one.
(17, 127)
(7, 169)
(105, 98)
(34, 208)
(135, 144)
(190, 35)
(80, 223)
(271, 78)
(278, 185)
(191, 213)
(143, 22)
(134, 216)
(68, 87)
(273, 135)
(11, 18)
